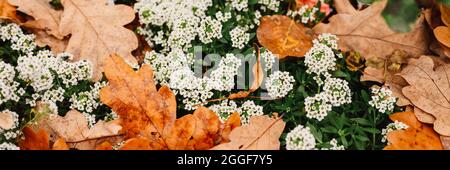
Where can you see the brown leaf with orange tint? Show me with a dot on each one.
(283, 36)
(60, 144)
(262, 133)
(417, 136)
(34, 140)
(429, 90)
(232, 122)
(139, 143)
(8, 12)
(104, 146)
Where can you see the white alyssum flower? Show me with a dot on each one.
(8, 146)
(334, 145)
(225, 109)
(21, 42)
(300, 138)
(90, 119)
(87, 101)
(279, 84)
(268, 59)
(337, 91)
(273, 5)
(111, 116)
(249, 109)
(305, 14)
(317, 107)
(396, 125)
(328, 39)
(382, 99)
(320, 60)
(164, 65)
(239, 5)
(9, 89)
(239, 37)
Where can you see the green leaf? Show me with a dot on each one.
(361, 121)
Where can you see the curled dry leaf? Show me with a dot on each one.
(97, 31)
(445, 140)
(262, 133)
(429, 90)
(283, 36)
(74, 129)
(417, 136)
(45, 17)
(43, 39)
(34, 140)
(367, 32)
(6, 120)
(8, 12)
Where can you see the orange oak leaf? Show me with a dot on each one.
(149, 116)
(262, 133)
(8, 12)
(133, 96)
(232, 123)
(283, 36)
(417, 136)
(34, 140)
(442, 33)
(367, 32)
(429, 90)
(97, 31)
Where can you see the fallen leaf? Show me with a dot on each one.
(206, 129)
(43, 39)
(424, 117)
(429, 90)
(139, 143)
(6, 120)
(45, 17)
(367, 32)
(417, 136)
(34, 140)
(258, 73)
(60, 144)
(8, 12)
(133, 96)
(283, 36)
(97, 31)
(104, 146)
(232, 123)
(74, 129)
(445, 140)
(262, 133)
(442, 34)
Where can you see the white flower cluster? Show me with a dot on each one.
(320, 60)
(328, 39)
(111, 116)
(273, 5)
(8, 146)
(382, 99)
(337, 92)
(317, 107)
(300, 138)
(21, 42)
(39, 69)
(239, 5)
(396, 125)
(268, 59)
(87, 101)
(279, 84)
(334, 145)
(8, 87)
(239, 37)
(164, 65)
(305, 14)
(197, 90)
(183, 18)
(246, 111)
